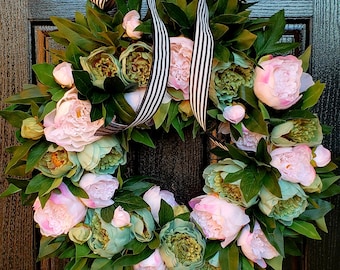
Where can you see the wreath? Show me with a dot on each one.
(206, 65)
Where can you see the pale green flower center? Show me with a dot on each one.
(138, 67)
(109, 160)
(54, 160)
(98, 232)
(208, 266)
(303, 130)
(105, 67)
(186, 248)
(287, 207)
(231, 191)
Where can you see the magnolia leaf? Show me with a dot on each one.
(47, 250)
(190, 10)
(15, 118)
(230, 19)
(331, 166)
(165, 213)
(10, 190)
(130, 202)
(176, 14)
(121, 108)
(229, 257)
(251, 183)
(161, 114)
(142, 136)
(82, 250)
(37, 183)
(255, 122)
(270, 181)
(246, 264)
(305, 228)
(305, 57)
(177, 124)
(262, 152)
(276, 238)
(75, 190)
(247, 94)
(244, 40)
(135, 246)
(80, 264)
(55, 184)
(98, 97)
(30, 93)
(44, 74)
(321, 209)
(95, 22)
(275, 263)
(298, 114)
(312, 95)
(221, 53)
(155, 242)
(73, 54)
(80, 18)
(20, 152)
(212, 247)
(50, 106)
(328, 182)
(122, 6)
(35, 154)
(321, 223)
(145, 27)
(238, 154)
(264, 111)
(107, 213)
(127, 260)
(57, 95)
(218, 30)
(83, 82)
(102, 263)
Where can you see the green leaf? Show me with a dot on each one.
(130, 202)
(255, 122)
(178, 125)
(127, 260)
(135, 246)
(244, 40)
(221, 53)
(44, 74)
(55, 184)
(20, 152)
(312, 95)
(251, 183)
(76, 191)
(276, 262)
(83, 82)
(218, 30)
(39, 183)
(212, 247)
(161, 114)
(102, 263)
(15, 118)
(82, 250)
(229, 257)
(35, 154)
(270, 181)
(176, 14)
(305, 57)
(165, 213)
(321, 209)
(247, 94)
(10, 190)
(305, 228)
(73, 54)
(107, 213)
(122, 108)
(30, 93)
(142, 136)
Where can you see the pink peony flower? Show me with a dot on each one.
(130, 22)
(69, 125)
(322, 156)
(100, 188)
(218, 218)
(249, 140)
(153, 262)
(181, 53)
(121, 218)
(153, 198)
(62, 212)
(294, 164)
(278, 81)
(255, 245)
(234, 114)
(62, 74)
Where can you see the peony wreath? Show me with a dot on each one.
(127, 70)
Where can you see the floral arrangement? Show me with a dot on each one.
(124, 73)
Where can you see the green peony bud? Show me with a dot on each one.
(57, 162)
(182, 245)
(143, 225)
(101, 64)
(103, 156)
(298, 131)
(106, 240)
(285, 209)
(80, 233)
(136, 63)
(31, 128)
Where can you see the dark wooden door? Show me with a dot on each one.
(23, 27)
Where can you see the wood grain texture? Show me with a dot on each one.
(17, 249)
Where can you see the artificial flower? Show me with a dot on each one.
(294, 164)
(80, 233)
(249, 140)
(142, 225)
(180, 62)
(322, 156)
(181, 245)
(135, 98)
(130, 22)
(101, 64)
(103, 156)
(31, 128)
(277, 81)
(106, 240)
(214, 175)
(153, 262)
(70, 125)
(153, 198)
(57, 162)
(61, 212)
(291, 205)
(315, 186)
(121, 218)
(62, 74)
(255, 246)
(297, 131)
(136, 63)
(234, 113)
(217, 218)
(100, 188)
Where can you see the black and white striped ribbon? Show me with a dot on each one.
(158, 79)
(201, 64)
(103, 4)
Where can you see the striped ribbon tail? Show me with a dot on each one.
(201, 64)
(158, 79)
(218, 143)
